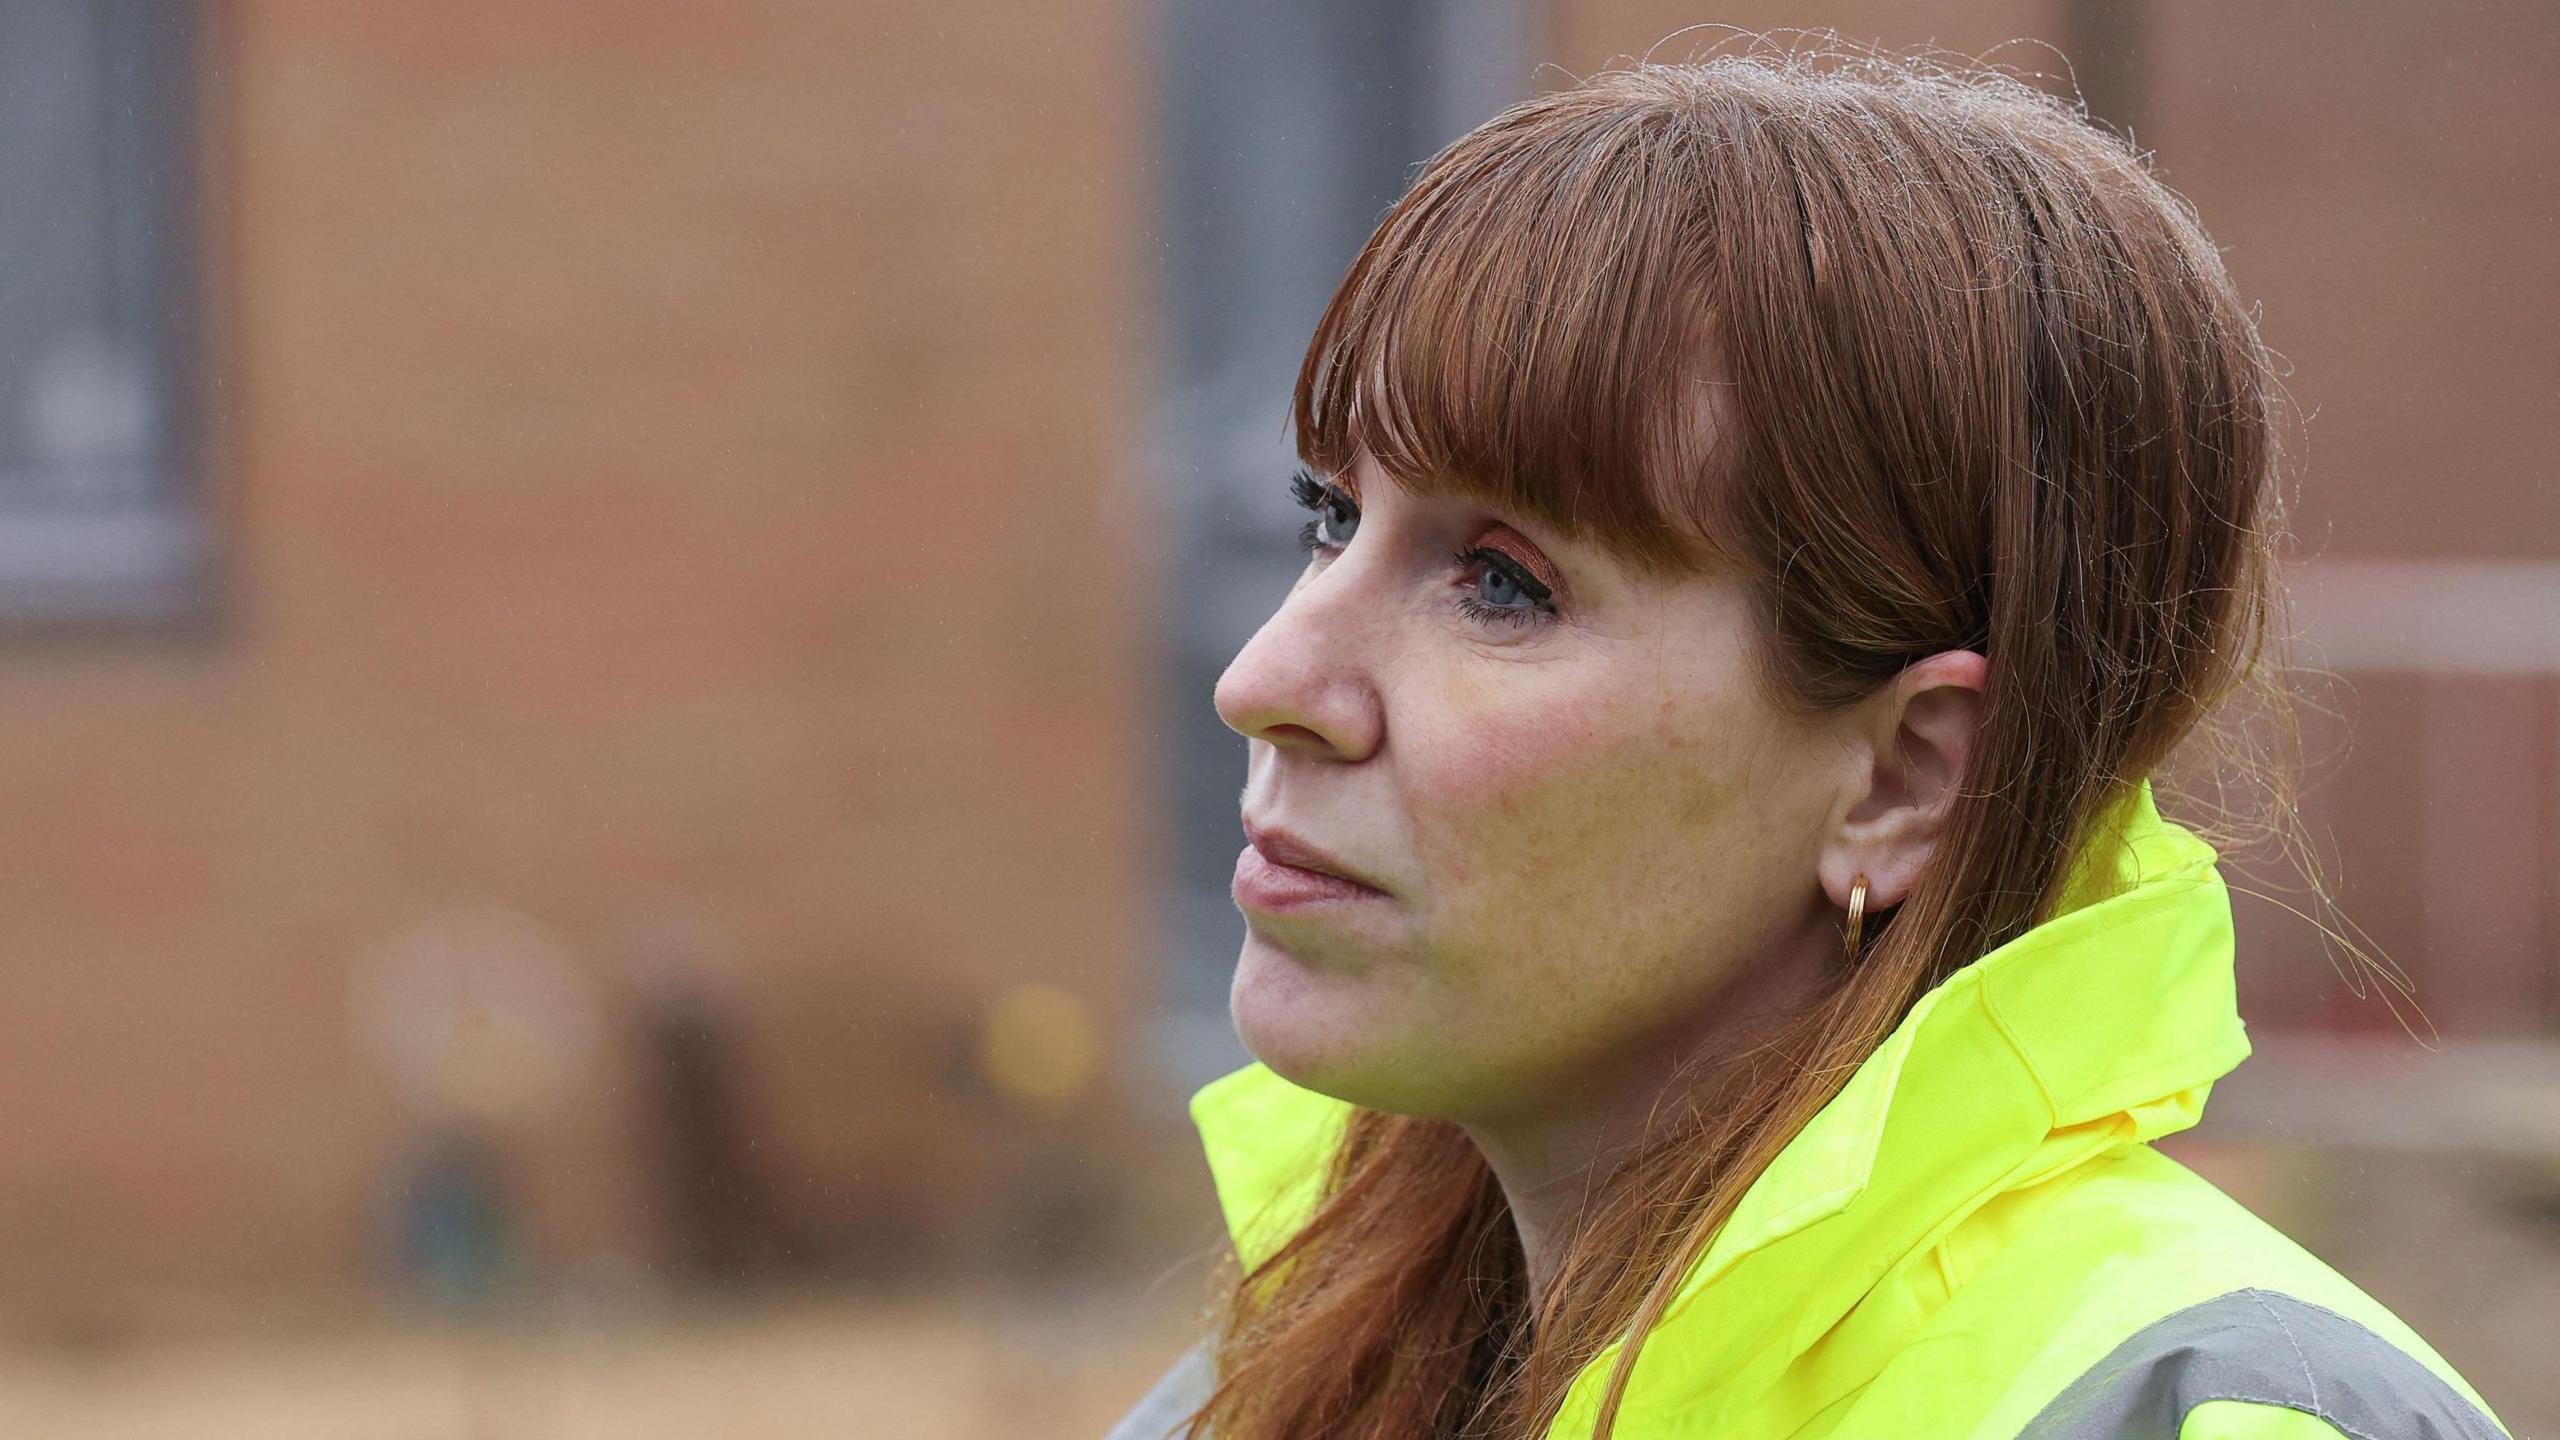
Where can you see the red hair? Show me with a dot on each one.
(1932, 363)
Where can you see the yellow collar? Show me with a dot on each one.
(2103, 1026)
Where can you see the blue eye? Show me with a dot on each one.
(1337, 519)
(1329, 504)
(1505, 575)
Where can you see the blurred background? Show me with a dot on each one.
(610, 819)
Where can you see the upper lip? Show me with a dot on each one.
(1281, 847)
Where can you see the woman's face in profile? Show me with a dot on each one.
(1580, 820)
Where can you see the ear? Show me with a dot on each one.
(1916, 735)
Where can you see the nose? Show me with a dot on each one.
(1304, 682)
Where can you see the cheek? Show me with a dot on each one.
(1600, 872)
(1575, 829)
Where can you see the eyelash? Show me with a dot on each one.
(1316, 496)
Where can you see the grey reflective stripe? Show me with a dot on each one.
(1176, 1394)
(2270, 1348)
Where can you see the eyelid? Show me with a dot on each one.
(1498, 538)
(1523, 554)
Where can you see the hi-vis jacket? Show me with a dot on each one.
(1975, 1238)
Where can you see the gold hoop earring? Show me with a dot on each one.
(1857, 921)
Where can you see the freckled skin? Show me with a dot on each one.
(1601, 843)
(1604, 852)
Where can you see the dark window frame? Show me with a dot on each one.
(106, 519)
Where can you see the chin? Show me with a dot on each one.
(1336, 1033)
(1314, 1028)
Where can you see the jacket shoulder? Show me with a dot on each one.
(2259, 1365)
(2131, 1299)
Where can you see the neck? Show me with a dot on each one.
(1551, 1160)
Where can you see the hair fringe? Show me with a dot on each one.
(1657, 308)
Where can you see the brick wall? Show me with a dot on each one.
(674, 468)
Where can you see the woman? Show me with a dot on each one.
(1713, 959)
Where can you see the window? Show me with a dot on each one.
(100, 505)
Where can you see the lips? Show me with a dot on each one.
(1283, 848)
(1278, 872)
